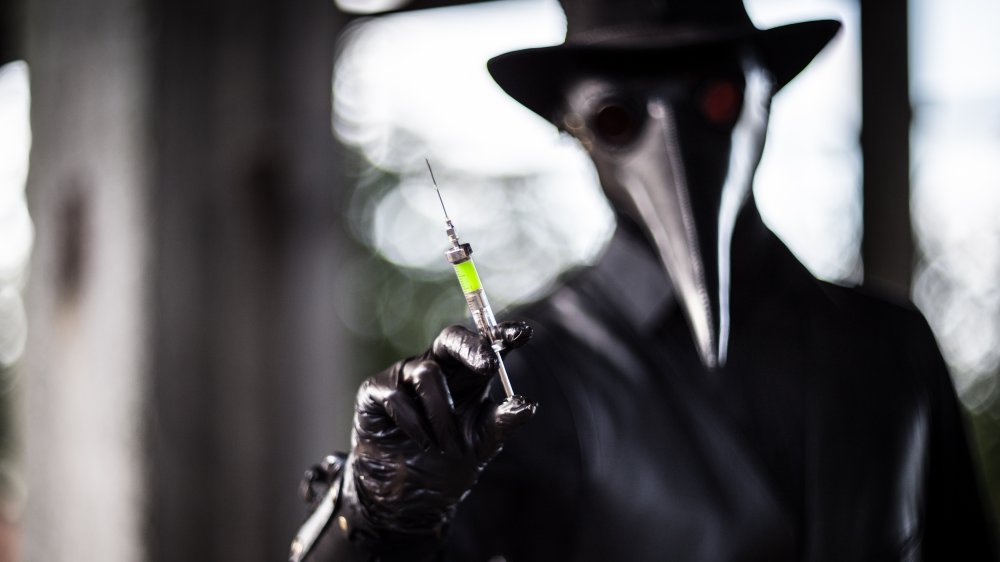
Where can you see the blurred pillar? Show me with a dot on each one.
(887, 243)
(185, 364)
(10, 30)
(84, 374)
(247, 347)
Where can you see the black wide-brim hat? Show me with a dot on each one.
(624, 37)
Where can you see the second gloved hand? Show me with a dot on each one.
(424, 429)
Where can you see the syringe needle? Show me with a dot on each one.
(504, 377)
(441, 199)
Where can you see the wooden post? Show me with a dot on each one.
(185, 364)
(85, 372)
(887, 243)
(248, 350)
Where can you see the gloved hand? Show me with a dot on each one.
(424, 429)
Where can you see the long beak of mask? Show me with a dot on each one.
(685, 187)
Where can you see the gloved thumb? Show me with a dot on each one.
(504, 419)
(514, 334)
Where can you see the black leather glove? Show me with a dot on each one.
(424, 429)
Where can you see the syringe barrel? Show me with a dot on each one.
(460, 257)
(482, 315)
(475, 296)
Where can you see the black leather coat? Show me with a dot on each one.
(833, 432)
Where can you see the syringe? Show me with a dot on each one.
(460, 257)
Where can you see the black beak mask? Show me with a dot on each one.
(676, 154)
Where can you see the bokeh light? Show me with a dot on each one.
(526, 196)
(808, 185)
(955, 88)
(16, 230)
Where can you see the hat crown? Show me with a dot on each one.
(640, 36)
(587, 18)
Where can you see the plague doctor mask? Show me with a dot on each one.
(671, 101)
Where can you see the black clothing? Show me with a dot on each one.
(832, 433)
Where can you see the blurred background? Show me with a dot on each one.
(215, 220)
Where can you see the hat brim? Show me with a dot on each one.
(537, 77)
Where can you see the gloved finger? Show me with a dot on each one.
(370, 416)
(404, 412)
(430, 387)
(501, 420)
(457, 346)
(514, 334)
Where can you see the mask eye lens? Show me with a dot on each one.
(720, 102)
(615, 124)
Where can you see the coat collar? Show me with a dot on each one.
(635, 283)
(633, 280)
